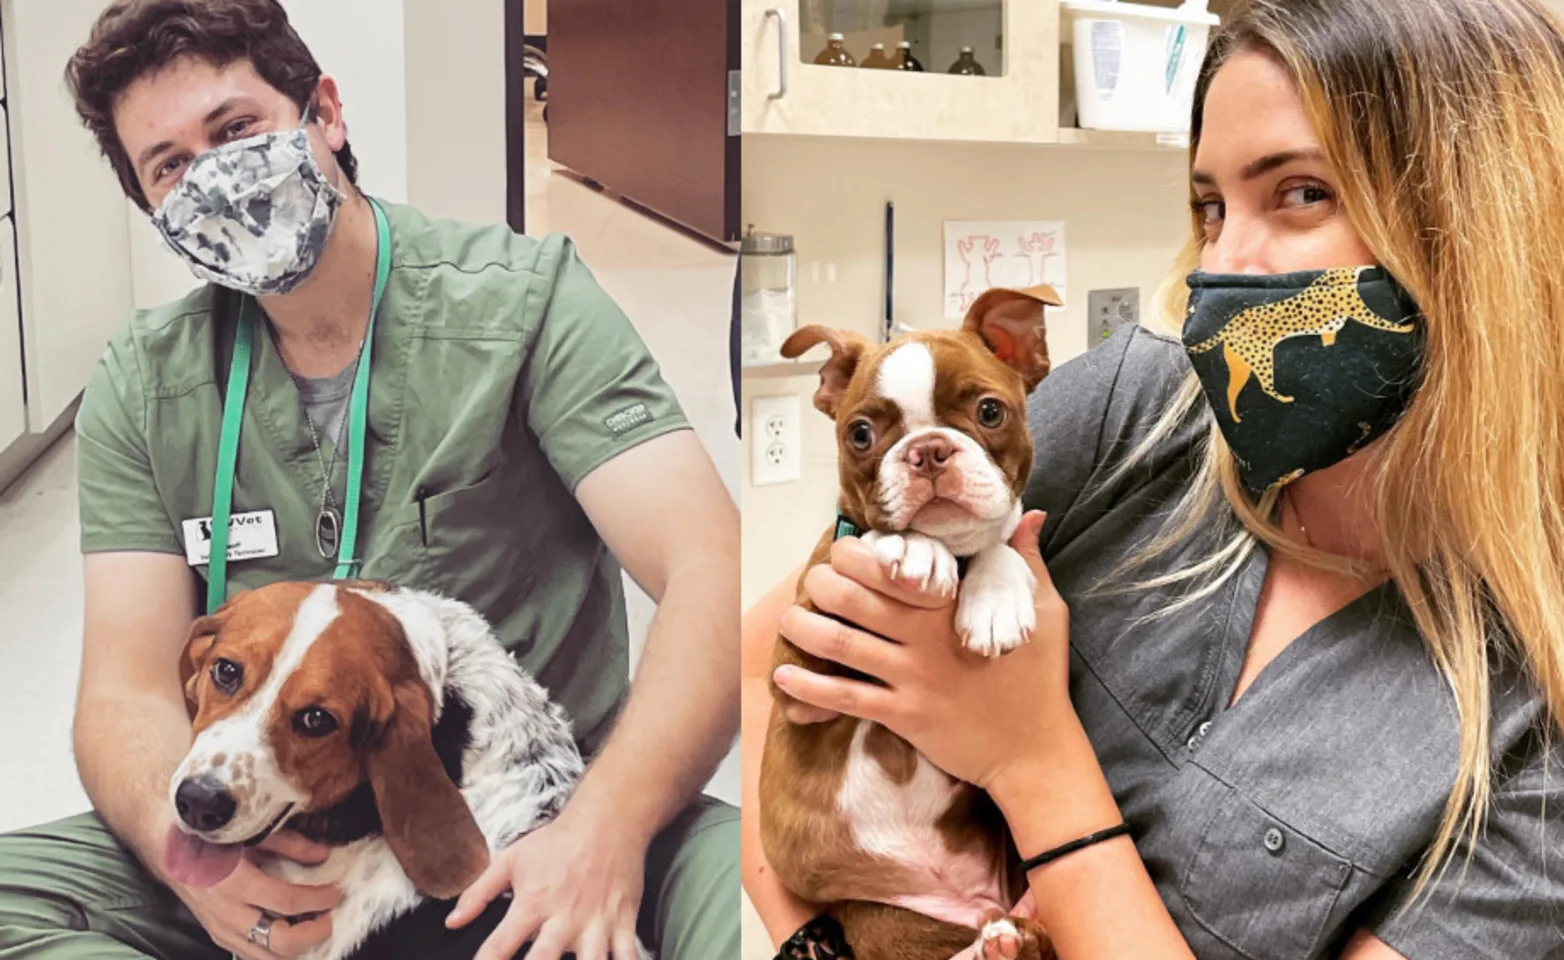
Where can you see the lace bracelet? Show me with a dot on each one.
(819, 939)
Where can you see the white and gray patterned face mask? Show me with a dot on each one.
(252, 215)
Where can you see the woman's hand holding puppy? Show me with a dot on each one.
(991, 722)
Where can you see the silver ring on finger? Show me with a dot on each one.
(261, 933)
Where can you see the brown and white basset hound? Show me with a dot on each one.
(386, 723)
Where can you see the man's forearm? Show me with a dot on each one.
(683, 711)
(127, 747)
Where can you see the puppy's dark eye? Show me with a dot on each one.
(227, 675)
(991, 413)
(860, 434)
(314, 722)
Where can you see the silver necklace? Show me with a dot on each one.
(328, 520)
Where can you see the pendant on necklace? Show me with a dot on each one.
(328, 533)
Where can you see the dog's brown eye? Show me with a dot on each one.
(227, 675)
(314, 722)
(860, 434)
(991, 413)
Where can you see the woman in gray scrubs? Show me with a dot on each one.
(1303, 628)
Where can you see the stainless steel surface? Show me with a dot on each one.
(735, 102)
(781, 16)
(765, 243)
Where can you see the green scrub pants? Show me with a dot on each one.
(70, 891)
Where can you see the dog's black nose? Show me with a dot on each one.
(203, 804)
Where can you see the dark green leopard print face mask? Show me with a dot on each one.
(1303, 369)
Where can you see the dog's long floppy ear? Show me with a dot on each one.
(1011, 323)
(192, 662)
(426, 821)
(846, 350)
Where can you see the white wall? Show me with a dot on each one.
(455, 149)
(1125, 216)
(361, 44)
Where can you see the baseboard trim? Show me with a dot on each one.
(19, 456)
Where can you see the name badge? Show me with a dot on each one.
(251, 536)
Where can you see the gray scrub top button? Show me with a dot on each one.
(1199, 735)
(1274, 841)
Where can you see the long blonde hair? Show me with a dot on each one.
(1444, 121)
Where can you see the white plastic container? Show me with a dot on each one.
(1136, 65)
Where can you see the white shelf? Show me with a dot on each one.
(1122, 139)
(781, 370)
(1072, 137)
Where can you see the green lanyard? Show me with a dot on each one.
(233, 416)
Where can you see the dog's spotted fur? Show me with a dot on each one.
(495, 732)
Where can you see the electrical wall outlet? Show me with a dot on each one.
(1108, 310)
(775, 440)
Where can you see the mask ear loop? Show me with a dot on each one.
(311, 115)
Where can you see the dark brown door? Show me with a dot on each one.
(515, 117)
(638, 101)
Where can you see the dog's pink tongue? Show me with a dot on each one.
(193, 862)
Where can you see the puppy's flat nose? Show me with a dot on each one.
(203, 804)
(929, 455)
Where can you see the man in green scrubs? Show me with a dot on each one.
(519, 447)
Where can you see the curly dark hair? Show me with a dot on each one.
(135, 37)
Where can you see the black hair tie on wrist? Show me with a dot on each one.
(1027, 866)
(819, 939)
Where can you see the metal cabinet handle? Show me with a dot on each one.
(781, 16)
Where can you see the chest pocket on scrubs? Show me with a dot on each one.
(1259, 885)
(467, 545)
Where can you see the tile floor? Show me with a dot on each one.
(676, 289)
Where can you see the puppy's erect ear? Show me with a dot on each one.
(847, 349)
(1011, 323)
(192, 662)
(426, 820)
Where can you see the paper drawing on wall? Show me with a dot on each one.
(983, 254)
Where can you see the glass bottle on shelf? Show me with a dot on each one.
(835, 53)
(904, 58)
(967, 66)
(877, 60)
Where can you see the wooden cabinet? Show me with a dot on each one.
(638, 102)
(786, 93)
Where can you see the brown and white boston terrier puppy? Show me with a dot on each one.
(935, 454)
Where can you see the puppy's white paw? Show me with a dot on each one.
(992, 940)
(917, 560)
(996, 612)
